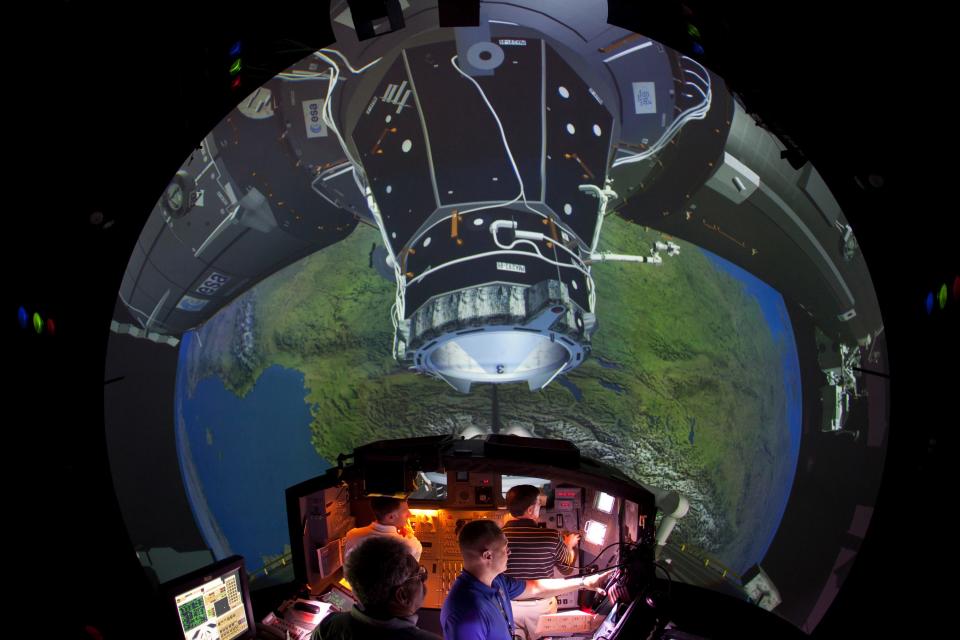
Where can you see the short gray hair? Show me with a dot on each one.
(375, 567)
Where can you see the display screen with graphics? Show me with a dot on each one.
(213, 606)
(503, 229)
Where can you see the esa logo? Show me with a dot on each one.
(313, 119)
(212, 283)
(189, 303)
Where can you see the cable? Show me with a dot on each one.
(579, 568)
(493, 253)
(694, 73)
(347, 62)
(305, 48)
(575, 256)
(697, 87)
(133, 308)
(298, 76)
(666, 572)
(506, 145)
(360, 180)
(326, 111)
(697, 112)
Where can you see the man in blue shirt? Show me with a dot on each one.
(478, 604)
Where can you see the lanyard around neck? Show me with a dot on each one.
(503, 611)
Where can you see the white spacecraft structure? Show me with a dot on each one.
(485, 165)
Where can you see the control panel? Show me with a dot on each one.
(567, 504)
(474, 495)
(565, 516)
(473, 489)
(326, 519)
(446, 484)
(437, 531)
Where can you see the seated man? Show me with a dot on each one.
(390, 586)
(534, 552)
(478, 604)
(391, 515)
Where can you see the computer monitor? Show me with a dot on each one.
(212, 603)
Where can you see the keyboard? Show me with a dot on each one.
(296, 631)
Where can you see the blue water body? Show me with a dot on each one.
(572, 388)
(778, 320)
(613, 386)
(247, 452)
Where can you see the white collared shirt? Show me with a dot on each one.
(357, 535)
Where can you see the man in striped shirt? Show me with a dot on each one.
(534, 552)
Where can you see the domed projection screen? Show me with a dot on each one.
(549, 209)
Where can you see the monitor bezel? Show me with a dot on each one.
(172, 588)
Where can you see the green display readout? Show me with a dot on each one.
(193, 614)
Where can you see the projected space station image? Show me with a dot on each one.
(543, 250)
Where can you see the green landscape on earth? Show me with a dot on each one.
(683, 389)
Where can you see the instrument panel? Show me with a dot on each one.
(437, 531)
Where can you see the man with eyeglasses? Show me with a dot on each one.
(478, 604)
(390, 586)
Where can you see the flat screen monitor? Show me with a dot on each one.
(212, 603)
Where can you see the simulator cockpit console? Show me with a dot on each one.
(449, 482)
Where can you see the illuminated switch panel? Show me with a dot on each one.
(425, 522)
(452, 521)
(570, 497)
(441, 552)
(449, 570)
(565, 516)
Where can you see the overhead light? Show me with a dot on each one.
(595, 532)
(605, 502)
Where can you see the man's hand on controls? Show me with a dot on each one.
(593, 583)
(571, 540)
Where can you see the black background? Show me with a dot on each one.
(103, 105)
